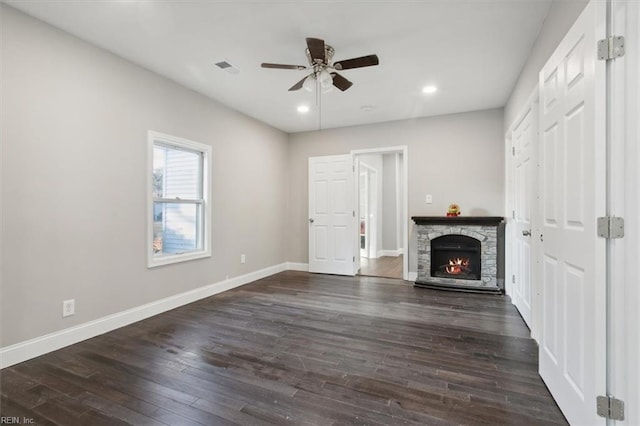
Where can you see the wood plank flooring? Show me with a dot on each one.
(297, 348)
(384, 266)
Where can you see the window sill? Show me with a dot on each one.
(177, 258)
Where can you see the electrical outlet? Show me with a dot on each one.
(68, 307)
(429, 199)
(243, 258)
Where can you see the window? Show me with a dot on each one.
(179, 211)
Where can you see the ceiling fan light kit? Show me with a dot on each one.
(323, 69)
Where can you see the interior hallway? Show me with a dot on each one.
(385, 266)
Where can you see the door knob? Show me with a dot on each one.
(311, 220)
(526, 233)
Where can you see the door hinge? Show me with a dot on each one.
(513, 279)
(610, 227)
(611, 47)
(354, 259)
(354, 213)
(610, 407)
(513, 151)
(513, 214)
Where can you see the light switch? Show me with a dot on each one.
(429, 199)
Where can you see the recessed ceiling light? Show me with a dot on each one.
(367, 108)
(429, 89)
(303, 109)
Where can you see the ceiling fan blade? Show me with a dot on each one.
(316, 49)
(298, 85)
(340, 82)
(283, 66)
(363, 61)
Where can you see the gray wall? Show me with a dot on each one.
(74, 170)
(456, 158)
(560, 18)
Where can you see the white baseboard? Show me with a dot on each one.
(394, 253)
(19, 352)
(412, 276)
(292, 266)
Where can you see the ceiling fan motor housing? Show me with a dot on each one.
(320, 59)
(328, 56)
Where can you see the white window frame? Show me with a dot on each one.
(156, 138)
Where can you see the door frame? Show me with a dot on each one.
(371, 226)
(404, 150)
(623, 374)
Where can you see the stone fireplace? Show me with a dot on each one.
(461, 253)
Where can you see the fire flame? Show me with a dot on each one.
(457, 266)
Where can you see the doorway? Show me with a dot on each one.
(368, 203)
(381, 203)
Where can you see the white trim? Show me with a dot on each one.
(19, 352)
(398, 182)
(154, 137)
(358, 252)
(383, 150)
(372, 177)
(293, 266)
(412, 276)
(624, 201)
(405, 195)
(394, 253)
(509, 207)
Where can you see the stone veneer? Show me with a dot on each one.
(486, 234)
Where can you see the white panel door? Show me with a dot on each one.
(331, 215)
(523, 140)
(572, 139)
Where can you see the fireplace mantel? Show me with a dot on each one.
(458, 220)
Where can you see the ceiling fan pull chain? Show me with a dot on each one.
(319, 102)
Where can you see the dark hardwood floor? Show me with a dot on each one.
(297, 348)
(385, 266)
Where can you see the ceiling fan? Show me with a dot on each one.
(323, 70)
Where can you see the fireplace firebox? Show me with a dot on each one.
(456, 256)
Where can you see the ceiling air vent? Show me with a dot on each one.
(226, 66)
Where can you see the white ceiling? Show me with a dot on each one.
(472, 50)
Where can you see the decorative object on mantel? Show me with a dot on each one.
(454, 210)
(461, 253)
